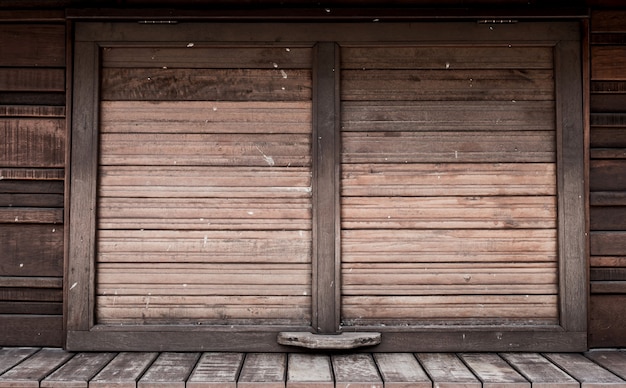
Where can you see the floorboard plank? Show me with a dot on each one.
(447, 371)
(34, 369)
(123, 371)
(263, 370)
(401, 370)
(493, 371)
(77, 372)
(356, 371)
(9, 357)
(614, 361)
(216, 370)
(170, 370)
(539, 371)
(588, 373)
(309, 371)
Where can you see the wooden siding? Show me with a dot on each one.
(449, 185)
(607, 178)
(32, 161)
(204, 191)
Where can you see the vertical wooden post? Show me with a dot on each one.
(326, 179)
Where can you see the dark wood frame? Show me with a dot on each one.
(84, 334)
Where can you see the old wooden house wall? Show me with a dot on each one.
(608, 179)
(32, 170)
(32, 161)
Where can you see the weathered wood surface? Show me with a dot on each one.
(54, 368)
(24, 44)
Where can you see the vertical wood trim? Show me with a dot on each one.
(326, 175)
(571, 192)
(586, 77)
(80, 278)
(69, 34)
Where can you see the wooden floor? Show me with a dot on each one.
(48, 367)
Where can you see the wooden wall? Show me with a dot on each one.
(608, 179)
(32, 160)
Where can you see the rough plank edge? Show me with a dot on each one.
(343, 341)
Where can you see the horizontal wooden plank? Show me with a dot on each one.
(448, 212)
(31, 250)
(447, 371)
(401, 370)
(607, 274)
(203, 182)
(31, 201)
(124, 370)
(607, 198)
(169, 369)
(443, 57)
(217, 246)
(199, 56)
(272, 150)
(206, 84)
(35, 368)
(585, 371)
(612, 361)
(31, 111)
(443, 85)
(32, 330)
(607, 217)
(355, 371)
(608, 63)
(309, 371)
(428, 179)
(78, 371)
(32, 142)
(608, 20)
(612, 243)
(613, 88)
(493, 370)
(26, 215)
(34, 45)
(608, 138)
(435, 246)
(539, 371)
(607, 175)
(216, 370)
(31, 294)
(608, 153)
(451, 147)
(56, 99)
(204, 214)
(608, 286)
(423, 116)
(31, 308)
(265, 370)
(24, 174)
(205, 117)
(31, 282)
(25, 186)
(32, 79)
(606, 104)
(9, 357)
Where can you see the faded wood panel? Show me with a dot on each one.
(493, 371)
(607, 218)
(29, 293)
(608, 63)
(31, 174)
(433, 179)
(31, 250)
(32, 330)
(56, 99)
(9, 357)
(35, 368)
(31, 308)
(442, 85)
(124, 370)
(611, 360)
(401, 370)
(309, 371)
(36, 45)
(608, 21)
(448, 212)
(449, 147)
(206, 84)
(605, 137)
(24, 215)
(607, 327)
(434, 246)
(169, 370)
(32, 142)
(205, 214)
(204, 182)
(205, 117)
(265, 370)
(539, 371)
(31, 111)
(356, 371)
(423, 116)
(198, 56)
(32, 201)
(154, 149)
(585, 371)
(447, 371)
(78, 371)
(216, 370)
(607, 175)
(451, 58)
(32, 80)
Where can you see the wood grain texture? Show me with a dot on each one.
(32, 142)
(78, 371)
(32, 80)
(539, 371)
(447, 371)
(216, 370)
(606, 326)
(124, 370)
(588, 373)
(355, 371)
(401, 370)
(493, 371)
(309, 371)
(263, 370)
(169, 370)
(31, 250)
(36, 45)
(13, 356)
(608, 63)
(34, 369)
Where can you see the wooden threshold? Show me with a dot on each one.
(53, 367)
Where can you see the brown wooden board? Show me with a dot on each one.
(216, 370)
(607, 175)
(34, 44)
(539, 371)
(31, 79)
(31, 330)
(447, 371)
(608, 63)
(309, 371)
(35, 368)
(263, 370)
(78, 371)
(608, 218)
(401, 370)
(606, 324)
(32, 142)
(615, 361)
(123, 371)
(356, 371)
(589, 374)
(169, 370)
(611, 243)
(493, 371)
(9, 357)
(608, 20)
(31, 250)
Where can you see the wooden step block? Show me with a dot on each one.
(493, 371)
(356, 371)
(539, 371)
(263, 370)
(309, 371)
(447, 371)
(401, 370)
(78, 371)
(216, 370)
